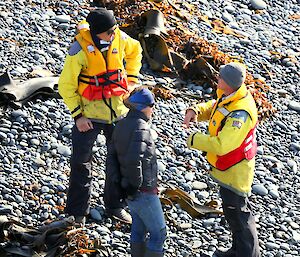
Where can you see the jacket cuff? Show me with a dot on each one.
(190, 140)
(132, 78)
(193, 108)
(77, 116)
(76, 111)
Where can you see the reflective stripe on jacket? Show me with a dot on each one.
(103, 85)
(123, 49)
(230, 137)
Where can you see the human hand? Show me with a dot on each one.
(190, 116)
(132, 85)
(83, 124)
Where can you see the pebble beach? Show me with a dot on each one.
(35, 140)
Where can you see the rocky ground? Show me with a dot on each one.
(35, 139)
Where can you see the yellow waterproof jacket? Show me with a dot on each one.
(88, 60)
(234, 130)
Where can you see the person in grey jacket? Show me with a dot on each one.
(133, 164)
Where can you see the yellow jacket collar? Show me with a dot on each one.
(240, 93)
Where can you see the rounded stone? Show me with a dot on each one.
(260, 190)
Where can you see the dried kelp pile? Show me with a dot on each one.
(204, 58)
(200, 51)
(59, 238)
(65, 238)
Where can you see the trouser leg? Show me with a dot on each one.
(113, 194)
(79, 193)
(238, 214)
(138, 228)
(147, 208)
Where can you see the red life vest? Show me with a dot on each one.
(247, 150)
(104, 85)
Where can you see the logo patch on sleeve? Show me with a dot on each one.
(90, 48)
(237, 124)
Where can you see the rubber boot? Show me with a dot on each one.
(138, 249)
(153, 254)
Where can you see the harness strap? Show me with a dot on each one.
(105, 83)
(113, 82)
(104, 75)
(93, 83)
(107, 104)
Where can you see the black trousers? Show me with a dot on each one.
(79, 193)
(238, 214)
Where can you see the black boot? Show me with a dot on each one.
(228, 253)
(137, 249)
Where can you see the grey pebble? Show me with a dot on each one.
(260, 190)
(95, 214)
(35, 140)
(294, 106)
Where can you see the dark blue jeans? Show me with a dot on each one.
(79, 193)
(147, 216)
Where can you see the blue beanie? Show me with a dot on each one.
(142, 98)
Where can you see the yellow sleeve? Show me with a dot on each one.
(68, 82)
(133, 58)
(203, 110)
(229, 138)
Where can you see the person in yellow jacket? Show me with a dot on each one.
(231, 147)
(102, 66)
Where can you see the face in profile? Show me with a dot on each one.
(108, 35)
(224, 87)
(149, 111)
